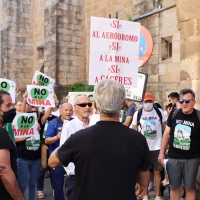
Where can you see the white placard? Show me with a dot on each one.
(25, 125)
(8, 86)
(40, 96)
(114, 51)
(136, 94)
(42, 79)
(94, 119)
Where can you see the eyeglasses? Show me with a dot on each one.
(181, 101)
(84, 104)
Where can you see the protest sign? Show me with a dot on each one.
(42, 79)
(40, 96)
(136, 94)
(114, 51)
(8, 86)
(25, 125)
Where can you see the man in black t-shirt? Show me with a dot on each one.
(9, 189)
(182, 135)
(109, 157)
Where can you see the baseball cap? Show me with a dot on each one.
(148, 96)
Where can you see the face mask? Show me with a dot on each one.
(9, 115)
(148, 106)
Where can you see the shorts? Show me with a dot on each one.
(154, 159)
(182, 170)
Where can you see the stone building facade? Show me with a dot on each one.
(53, 35)
(46, 35)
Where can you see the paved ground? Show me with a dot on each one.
(48, 192)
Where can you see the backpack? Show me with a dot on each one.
(140, 114)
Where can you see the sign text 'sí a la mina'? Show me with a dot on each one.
(114, 51)
(40, 96)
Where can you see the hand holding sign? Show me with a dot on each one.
(40, 96)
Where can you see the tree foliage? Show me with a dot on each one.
(81, 87)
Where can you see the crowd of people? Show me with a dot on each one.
(109, 160)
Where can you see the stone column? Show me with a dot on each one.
(17, 41)
(64, 44)
(189, 26)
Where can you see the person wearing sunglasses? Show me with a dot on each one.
(82, 106)
(182, 135)
(52, 138)
(109, 157)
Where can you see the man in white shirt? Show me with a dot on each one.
(82, 108)
(152, 122)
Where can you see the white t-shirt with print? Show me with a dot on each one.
(151, 127)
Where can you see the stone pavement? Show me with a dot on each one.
(48, 192)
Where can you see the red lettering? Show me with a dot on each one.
(95, 34)
(103, 35)
(101, 58)
(31, 101)
(107, 35)
(120, 80)
(31, 132)
(96, 80)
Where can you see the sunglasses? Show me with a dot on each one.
(84, 104)
(181, 101)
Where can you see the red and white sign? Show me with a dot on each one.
(114, 51)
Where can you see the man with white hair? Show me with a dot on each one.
(82, 106)
(106, 154)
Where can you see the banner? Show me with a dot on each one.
(114, 51)
(40, 96)
(42, 79)
(136, 94)
(8, 86)
(25, 125)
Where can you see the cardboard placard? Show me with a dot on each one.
(8, 86)
(42, 79)
(25, 125)
(40, 96)
(114, 51)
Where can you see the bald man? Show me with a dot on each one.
(52, 138)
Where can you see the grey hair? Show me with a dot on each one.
(186, 91)
(109, 96)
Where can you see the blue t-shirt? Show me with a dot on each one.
(54, 127)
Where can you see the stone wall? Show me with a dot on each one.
(1, 27)
(189, 27)
(163, 72)
(64, 43)
(104, 8)
(17, 41)
(38, 39)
